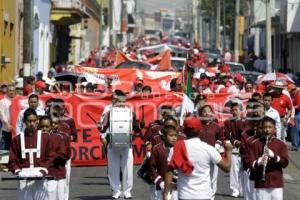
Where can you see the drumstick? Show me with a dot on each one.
(89, 115)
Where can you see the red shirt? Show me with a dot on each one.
(27, 89)
(296, 101)
(281, 103)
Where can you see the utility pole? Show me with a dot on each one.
(200, 32)
(28, 37)
(224, 24)
(100, 24)
(237, 31)
(195, 20)
(268, 36)
(218, 24)
(111, 31)
(100, 33)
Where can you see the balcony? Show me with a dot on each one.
(67, 12)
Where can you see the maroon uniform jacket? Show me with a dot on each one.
(233, 129)
(72, 128)
(274, 176)
(158, 163)
(64, 130)
(46, 157)
(211, 133)
(62, 150)
(246, 138)
(152, 131)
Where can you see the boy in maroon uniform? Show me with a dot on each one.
(268, 156)
(31, 155)
(155, 127)
(253, 119)
(158, 164)
(233, 129)
(56, 187)
(212, 134)
(66, 125)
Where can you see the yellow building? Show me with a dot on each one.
(7, 39)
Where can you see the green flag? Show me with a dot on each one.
(188, 80)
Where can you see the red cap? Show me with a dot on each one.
(239, 78)
(40, 84)
(204, 82)
(224, 69)
(191, 125)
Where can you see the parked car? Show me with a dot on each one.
(177, 63)
(236, 66)
(212, 54)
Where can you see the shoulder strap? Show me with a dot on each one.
(22, 140)
(38, 145)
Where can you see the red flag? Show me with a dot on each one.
(121, 57)
(165, 63)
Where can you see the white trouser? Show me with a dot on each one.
(56, 189)
(236, 173)
(214, 170)
(283, 131)
(269, 194)
(32, 190)
(67, 181)
(155, 194)
(120, 159)
(158, 194)
(248, 187)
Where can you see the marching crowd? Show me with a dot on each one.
(181, 161)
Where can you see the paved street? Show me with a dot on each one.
(90, 183)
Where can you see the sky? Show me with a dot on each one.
(153, 5)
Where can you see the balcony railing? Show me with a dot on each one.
(68, 4)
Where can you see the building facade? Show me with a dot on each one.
(8, 27)
(41, 36)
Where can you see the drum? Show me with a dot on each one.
(120, 129)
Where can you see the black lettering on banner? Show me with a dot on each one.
(83, 152)
(93, 154)
(85, 135)
(103, 152)
(138, 151)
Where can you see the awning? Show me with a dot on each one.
(261, 24)
(67, 17)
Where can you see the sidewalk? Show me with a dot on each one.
(294, 157)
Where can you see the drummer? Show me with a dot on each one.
(31, 155)
(118, 158)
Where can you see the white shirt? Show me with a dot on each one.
(5, 112)
(20, 125)
(233, 89)
(227, 56)
(198, 184)
(272, 113)
(207, 91)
